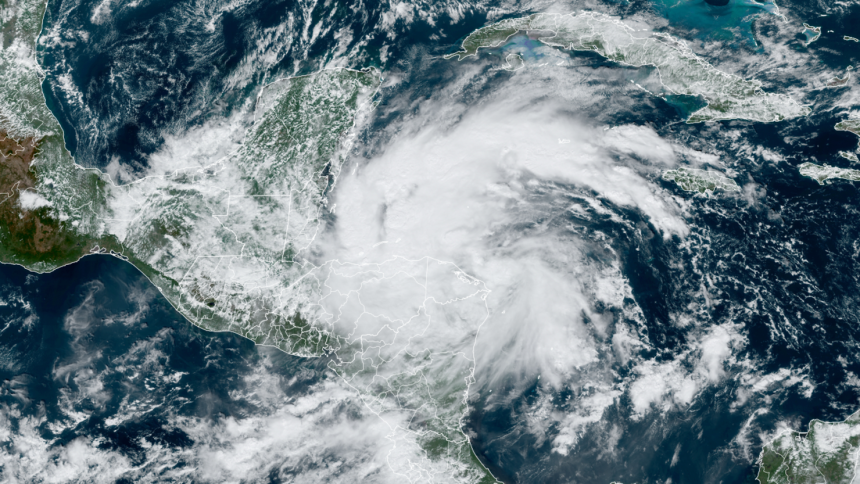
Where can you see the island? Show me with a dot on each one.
(827, 453)
(811, 33)
(681, 71)
(839, 81)
(692, 180)
(514, 62)
(851, 125)
(849, 156)
(228, 244)
(822, 173)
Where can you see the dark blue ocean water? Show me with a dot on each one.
(790, 259)
(803, 314)
(95, 338)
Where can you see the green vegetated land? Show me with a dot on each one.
(681, 71)
(168, 224)
(822, 173)
(827, 453)
(850, 125)
(701, 181)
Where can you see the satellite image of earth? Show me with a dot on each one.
(592, 241)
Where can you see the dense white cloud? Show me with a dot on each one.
(463, 192)
(441, 192)
(30, 200)
(495, 188)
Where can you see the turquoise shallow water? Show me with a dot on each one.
(732, 21)
(811, 32)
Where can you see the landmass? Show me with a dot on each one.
(822, 173)
(701, 181)
(851, 125)
(514, 62)
(228, 246)
(839, 82)
(681, 71)
(850, 39)
(849, 156)
(48, 202)
(827, 453)
(811, 33)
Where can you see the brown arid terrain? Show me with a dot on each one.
(31, 227)
(15, 159)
